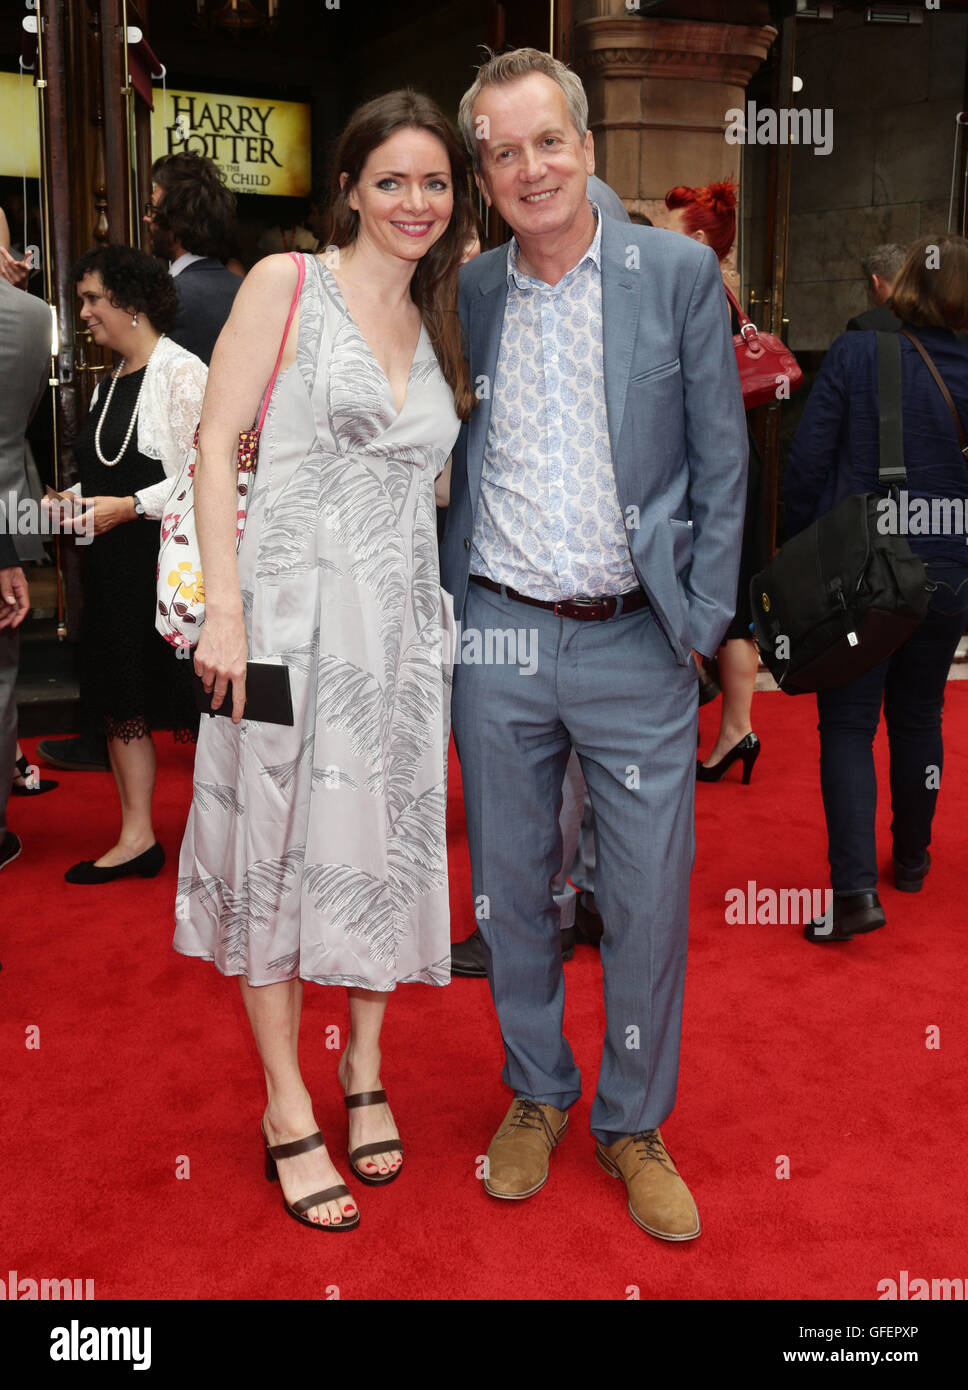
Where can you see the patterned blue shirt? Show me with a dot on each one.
(549, 522)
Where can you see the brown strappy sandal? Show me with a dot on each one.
(380, 1146)
(274, 1152)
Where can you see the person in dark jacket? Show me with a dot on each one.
(835, 455)
(191, 221)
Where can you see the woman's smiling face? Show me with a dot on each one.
(404, 195)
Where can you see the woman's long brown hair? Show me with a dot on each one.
(434, 284)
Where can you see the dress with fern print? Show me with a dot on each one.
(319, 851)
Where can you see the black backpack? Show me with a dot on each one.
(841, 596)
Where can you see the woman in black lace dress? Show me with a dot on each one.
(140, 426)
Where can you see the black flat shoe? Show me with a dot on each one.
(87, 753)
(852, 915)
(147, 865)
(748, 749)
(25, 788)
(911, 880)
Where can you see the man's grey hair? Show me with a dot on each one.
(885, 261)
(507, 67)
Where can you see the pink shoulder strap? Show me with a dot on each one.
(301, 268)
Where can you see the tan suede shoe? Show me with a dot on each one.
(517, 1160)
(659, 1201)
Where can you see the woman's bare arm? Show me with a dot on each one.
(241, 366)
(442, 484)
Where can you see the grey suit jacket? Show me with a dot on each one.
(675, 420)
(24, 370)
(607, 199)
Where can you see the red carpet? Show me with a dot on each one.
(790, 1051)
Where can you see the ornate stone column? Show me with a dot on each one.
(658, 92)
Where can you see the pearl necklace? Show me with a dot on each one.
(111, 463)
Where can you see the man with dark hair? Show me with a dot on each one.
(881, 267)
(191, 221)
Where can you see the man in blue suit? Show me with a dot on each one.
(596, 514)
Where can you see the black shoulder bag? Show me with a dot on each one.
(842, 596)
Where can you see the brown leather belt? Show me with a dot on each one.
(584, 609)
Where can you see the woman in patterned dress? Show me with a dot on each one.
(318, 852)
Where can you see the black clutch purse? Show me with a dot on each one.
(268, 697)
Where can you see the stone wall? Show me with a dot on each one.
(894, 92)
(658, 91)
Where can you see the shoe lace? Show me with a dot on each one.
(650, 1148)
(529, 1115)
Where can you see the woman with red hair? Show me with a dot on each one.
(709, 215)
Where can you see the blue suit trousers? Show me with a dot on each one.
(615, 692)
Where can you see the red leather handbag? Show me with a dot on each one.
(761, 359)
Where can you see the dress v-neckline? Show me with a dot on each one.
(376, 360)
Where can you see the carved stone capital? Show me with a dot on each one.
(674, 48)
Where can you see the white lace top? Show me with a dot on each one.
(171, 405)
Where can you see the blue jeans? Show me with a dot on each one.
(911, 684)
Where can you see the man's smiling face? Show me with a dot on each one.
(534, 164)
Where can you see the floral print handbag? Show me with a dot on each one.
(181, 588)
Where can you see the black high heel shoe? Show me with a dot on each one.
(748, 749)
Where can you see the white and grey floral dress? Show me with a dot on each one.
(320, 851)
